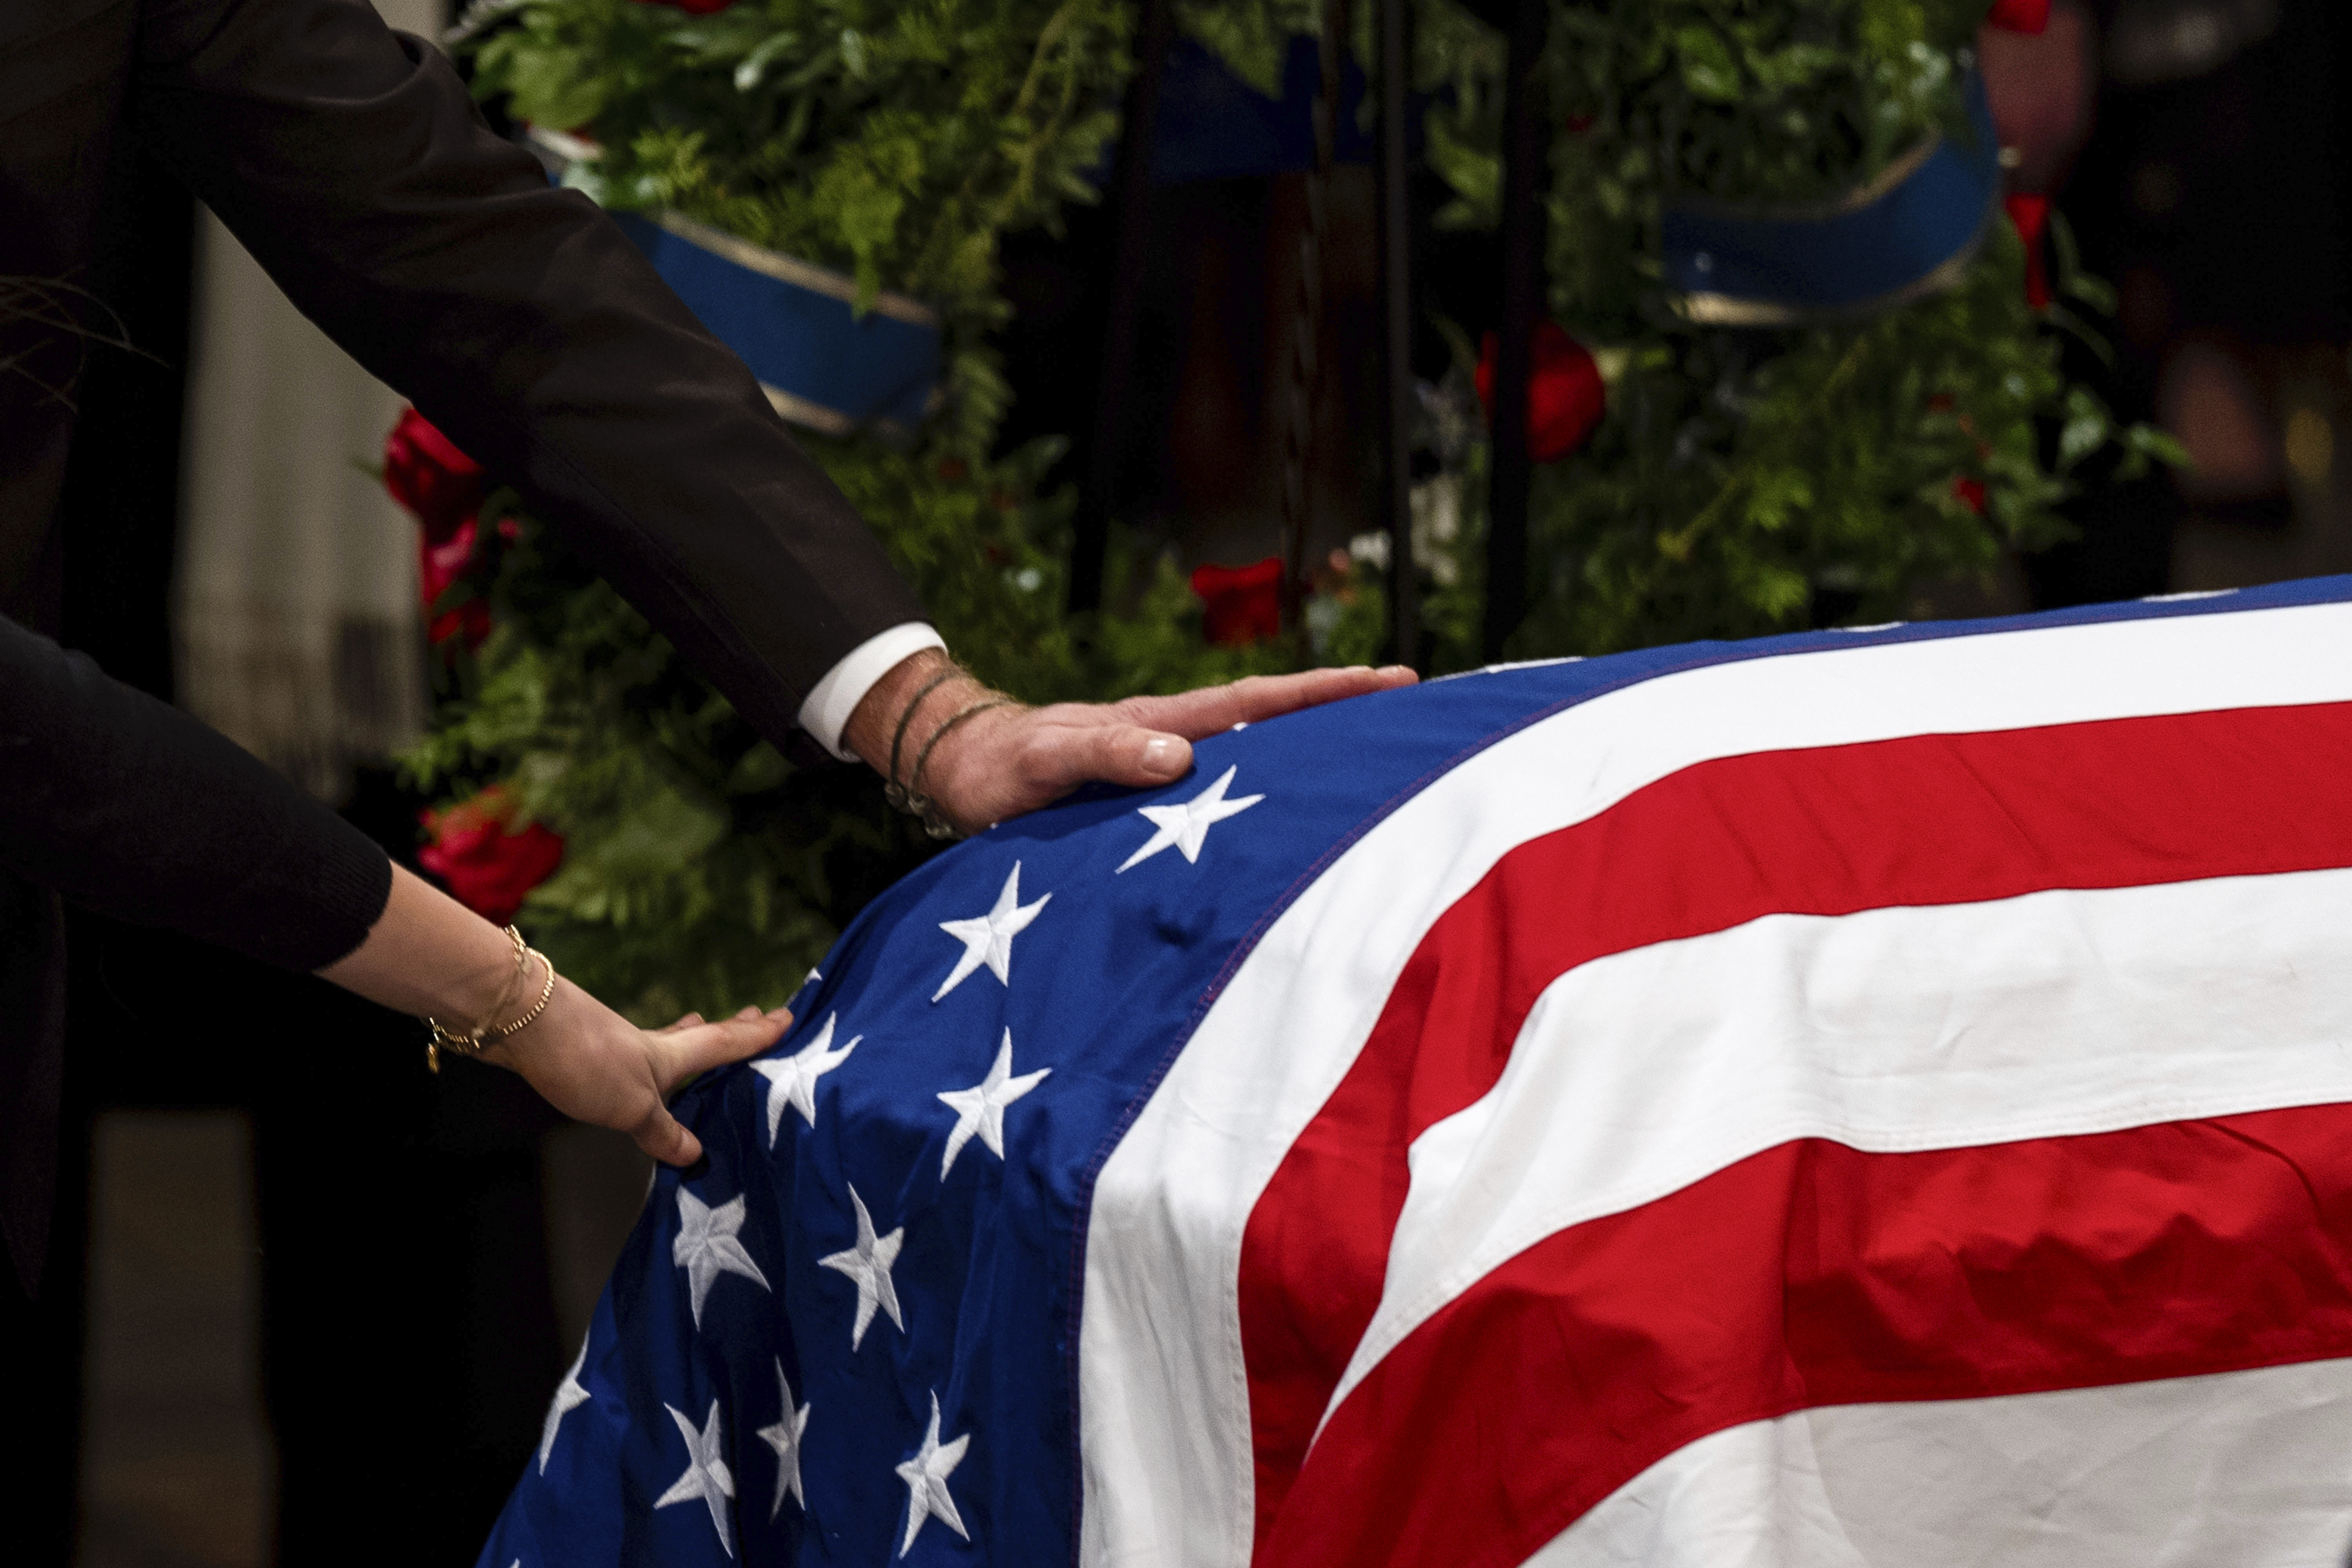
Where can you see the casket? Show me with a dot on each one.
(1873, 1097)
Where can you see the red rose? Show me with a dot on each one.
(1565, 397)
(1969, 493)
(489, 869)
(2031, 217)
(2020, 15)
(1244, 604)
(438, 567)
(426, 473)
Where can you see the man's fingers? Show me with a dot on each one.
(665, 1138)
(1153, 745)
(1157, 757)
(1196, 714)
(1037, 756)
(1199, 714)
(1269, 696)
(1061, 758)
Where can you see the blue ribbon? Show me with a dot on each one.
(1910, 232)
(823, 365)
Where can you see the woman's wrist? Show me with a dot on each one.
(532, 1020)
(430, 956)
(474, 1040)
(482, 992)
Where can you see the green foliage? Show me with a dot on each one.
(1751, 101)
(1251, 39)
(1458, 60)
(896, 142)
(702, 869)
(892, 141)
(1745, 470)
(1743, 474)
(1737, 477)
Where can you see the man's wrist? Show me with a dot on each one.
(824, 715)
(904, 706)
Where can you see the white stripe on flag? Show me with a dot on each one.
(1939, 1027)
(1163, 1392)
(2240, 1470)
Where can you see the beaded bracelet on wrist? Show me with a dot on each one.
(909, 797)
(906, 717)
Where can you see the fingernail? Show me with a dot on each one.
(748, 1013)
(779, 1014)
(1164, 755)
(1396, 669)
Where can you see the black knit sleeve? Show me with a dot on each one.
(130, 807)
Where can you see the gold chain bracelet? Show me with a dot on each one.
(473, 1042)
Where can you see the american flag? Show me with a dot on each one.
(1877, 1097)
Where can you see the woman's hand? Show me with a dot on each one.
(427, 954)
(594, 1066)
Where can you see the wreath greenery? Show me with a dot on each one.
(1737, 475)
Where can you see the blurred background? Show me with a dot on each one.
(257, 1214)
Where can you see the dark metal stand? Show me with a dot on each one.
(1394, 214)
(1524, 147)
(1307, 329)
(1134, 199)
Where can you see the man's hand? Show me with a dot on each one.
(1012, 760)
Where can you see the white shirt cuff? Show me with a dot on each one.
(826, 712)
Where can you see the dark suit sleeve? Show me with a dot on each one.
(129, 807)
(351, 163)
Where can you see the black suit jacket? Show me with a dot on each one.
(351, 161)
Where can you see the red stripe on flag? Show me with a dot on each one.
(1923, 820)
(1812, 1274)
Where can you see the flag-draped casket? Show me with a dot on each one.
(1876, 1097)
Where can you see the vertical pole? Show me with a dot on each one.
(1307, 336)
(1524, 146)
(1395, 216)
(1157, 34)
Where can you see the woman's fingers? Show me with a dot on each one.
(665, 1139)
(696, 1020)
(592, 1064)
(686, 1052)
